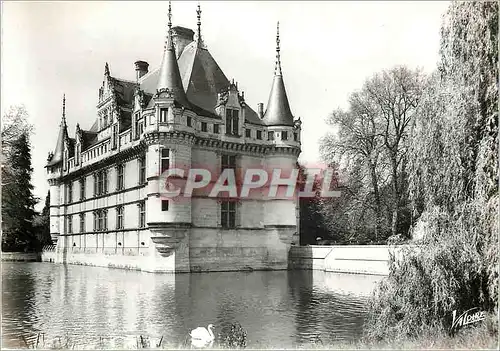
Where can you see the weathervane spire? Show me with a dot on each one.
(277, 69)
(198, 15)
(64, 110)
(169, 42)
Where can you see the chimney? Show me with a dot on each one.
(141, 68)
(182, 37)
(260, 109)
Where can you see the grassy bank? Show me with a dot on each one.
(481, 337)
(474, 338)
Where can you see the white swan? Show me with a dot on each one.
(202, 335)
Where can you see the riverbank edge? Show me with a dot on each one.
(21, 256)
(480, 337)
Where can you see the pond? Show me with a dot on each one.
(92, 307)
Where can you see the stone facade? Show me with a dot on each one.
(106, 204)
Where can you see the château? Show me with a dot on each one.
(106, 207)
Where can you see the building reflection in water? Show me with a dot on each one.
(99, 307)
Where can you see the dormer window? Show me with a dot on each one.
(163, 115)
(105, 119)
(114, 143)
(77, 156)
(232, 122)
(136, 126)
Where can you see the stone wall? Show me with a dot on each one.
(200, 250)
(360, 259)
(21, 257)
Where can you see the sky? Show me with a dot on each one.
(328, 49)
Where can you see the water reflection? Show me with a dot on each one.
(110, 308)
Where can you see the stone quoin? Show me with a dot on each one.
(105, 205)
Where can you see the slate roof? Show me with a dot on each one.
(58, 152)
(278, 111)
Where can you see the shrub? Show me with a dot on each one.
(455, 268)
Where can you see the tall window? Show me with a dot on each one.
(96, 184)
(259, 134)
(163, 115)
(82, 222)
(228, 214)
(70, 192)
(82, 188)
(119, 177)
(295, 136)
(70, 224)
(203, 126)
(165, 160)
(105, 181)
(228, 161)
(216, 128)
(188, 121)
(142, 214)
(100, 220)
(284, 135)
(232, 122)
(101, 181)
(270, 136)
(142, 170)
(119, 217)
(248, 133)
(104, 220)
(96, 221)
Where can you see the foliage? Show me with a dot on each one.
(428, 282)
(17, 191)
(41, 224)
(311, 220)
(453, 182)
(372, 142)
(232, 337)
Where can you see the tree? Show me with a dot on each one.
(42, 223)
(453, 176)
(311, 225)
(357, 141)
(395, 95)
(17, 192)
(372, 141)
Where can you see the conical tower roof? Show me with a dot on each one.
(63, 134)
(278, 111)
(169, 78)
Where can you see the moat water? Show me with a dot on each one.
(91, 308)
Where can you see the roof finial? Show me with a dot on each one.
(277, 69)
(169, 42)
(64, 110)
(198, 15)
(106, 69)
